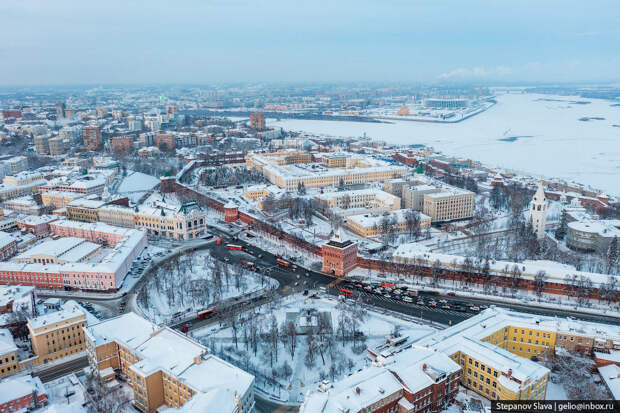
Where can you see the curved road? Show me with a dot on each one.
(302, 279)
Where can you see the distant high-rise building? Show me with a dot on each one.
(135, 124)
(57, 146)
(122, 145)
(164, 141)
(91, 135)
(41, 145)
(60, 110)
(257, 121)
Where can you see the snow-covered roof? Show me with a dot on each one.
(354, 393)
(10, 293)
(467, 337)
(5, 239)
(16, 387)
(611, 376)
(68, 311)
(7, 344)
(176, 354)
(52, 248)
(602, 228)
(374, 220)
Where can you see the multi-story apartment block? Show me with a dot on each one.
(41, 145)
(9, 363)
(148, 138)
(122, 145)
(449, 205)
(91, 136)
(59, 334)
(257, 121)
(57, 146)
(165, 141)
(167, 368)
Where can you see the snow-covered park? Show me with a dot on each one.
(293, 343)
(192, 281)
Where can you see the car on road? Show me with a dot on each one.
(420, 302)
(445, 306)
(443, 302)
(474, 308)
(432, 304)
(387, 295)
(408, 299)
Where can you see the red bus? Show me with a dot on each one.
(283, 263)
(346, 293)
(391, 286)
(234, 247)
(207, 313)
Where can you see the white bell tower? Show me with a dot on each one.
(538, 211)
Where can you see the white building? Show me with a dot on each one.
(538, 212)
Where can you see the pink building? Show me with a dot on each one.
(106, 275)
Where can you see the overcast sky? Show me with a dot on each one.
(202, 41)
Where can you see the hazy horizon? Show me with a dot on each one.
(200, 42)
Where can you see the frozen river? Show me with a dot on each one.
(537, 134)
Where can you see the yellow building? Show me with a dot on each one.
(59, 334)
(357, 169)
(59, 199)
(9, 362)
(256, 192)
(84, 209)
(372, 225)
(167, 368)
(498, 349)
